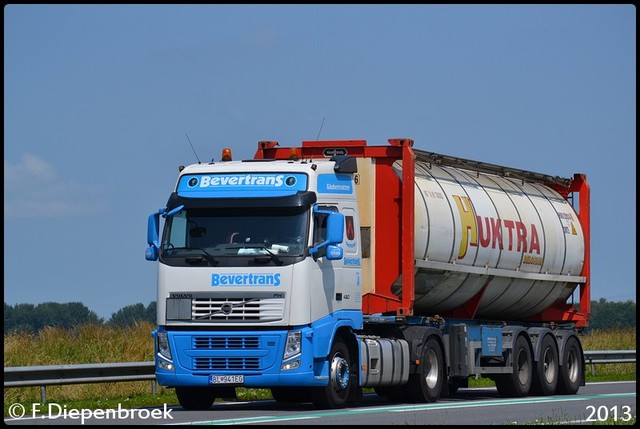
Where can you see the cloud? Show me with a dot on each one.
(32, 188)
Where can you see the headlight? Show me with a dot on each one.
(163, 345)
(292, 364)
(293, 345)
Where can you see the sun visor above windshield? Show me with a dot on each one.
(241, 185)
(299, 199)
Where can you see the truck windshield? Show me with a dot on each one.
(235, 236)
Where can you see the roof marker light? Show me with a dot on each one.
(293, 154)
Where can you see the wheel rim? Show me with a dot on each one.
(339, 373)
(522, 366)
(549, 366)
(432, 375)
(572, 365)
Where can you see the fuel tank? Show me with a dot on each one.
(512, 246)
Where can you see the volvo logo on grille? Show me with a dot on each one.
(226, 308)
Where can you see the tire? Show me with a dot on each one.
(571, 368)
(547, 369)
(518, 383)
(295, 395)
(426, 384)
(336, 392)
(195, 398)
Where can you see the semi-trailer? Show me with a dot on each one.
(334, 266)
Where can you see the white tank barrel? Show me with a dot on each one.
(517, 245)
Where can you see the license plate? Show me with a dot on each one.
(226, 379)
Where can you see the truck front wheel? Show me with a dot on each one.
(426, 384)
(335, 394)
(196, 398)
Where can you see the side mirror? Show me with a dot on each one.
(335, 228)
(334, 253)
(153, 231)
(151, 254)
(335, 233)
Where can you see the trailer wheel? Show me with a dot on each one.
(571, 368)
(426, 384)
(196, 398)
(335, 394)
(546, 372)
(294, 395)
(518, 383)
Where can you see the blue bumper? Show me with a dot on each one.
(256, 355)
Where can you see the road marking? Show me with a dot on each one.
(250, 420)
(409, 408)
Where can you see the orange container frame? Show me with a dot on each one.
(394, 208)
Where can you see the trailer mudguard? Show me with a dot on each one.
(417, 337)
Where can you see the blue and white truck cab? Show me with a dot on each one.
(259, 268)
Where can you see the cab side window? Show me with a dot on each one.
(320, 222)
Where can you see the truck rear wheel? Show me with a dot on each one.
(335, 394)
(518, 383)
(195, 397)
(426, 384)
(571, 368)
(545, 374)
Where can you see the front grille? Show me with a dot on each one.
(223, 363)
(225, 343)
(238, 309)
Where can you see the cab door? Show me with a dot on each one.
(338, 281)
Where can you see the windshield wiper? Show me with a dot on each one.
(197, 258)
(272, 256)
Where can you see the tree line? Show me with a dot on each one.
(32, 318)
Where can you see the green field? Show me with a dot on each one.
(103, 344)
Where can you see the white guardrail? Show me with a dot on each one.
(48, 375)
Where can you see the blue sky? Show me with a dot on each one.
(98, 98)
